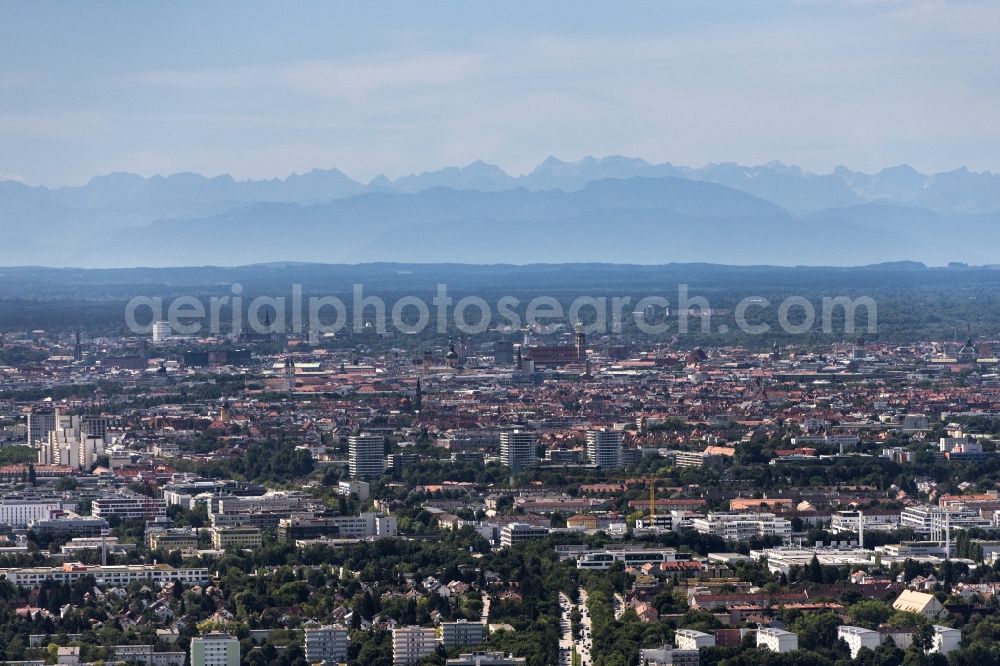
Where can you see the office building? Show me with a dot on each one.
(363, 526)
(366, 456)
(742, 526)
(517, 449)
(517, 533)
(236, 537)
(130, 505)
(20, 512)
(181, 538)
(604, 448)
(215, 649)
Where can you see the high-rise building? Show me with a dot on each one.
(215, 649)
(517, 449)
(326, 645)
(604, 448)
(366, 456)
(41, 421)
(411, 644)
(75, 441)
(161, 331)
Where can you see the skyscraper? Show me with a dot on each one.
(604, 448)
(517, 449)
(41, 421)
(366, 456)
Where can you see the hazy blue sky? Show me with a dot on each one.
(263, 89)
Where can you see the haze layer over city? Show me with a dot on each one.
(520, 334)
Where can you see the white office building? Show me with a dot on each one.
(742, 526)
(518, 533)
(21, 512)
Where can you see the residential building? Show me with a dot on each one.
(161, 331)
(945, 639)
(604, 448)
(411, 644)
(326, 645)
(121, 574)
(215, 649)
(144, 654)
(41, 421)
(517, 449)
(462, 632)
(366, 456)
(668, 655)
(921, 603)
(777, 640)
(486, 659)
(689, 639)
(354, 487)
(857, 638)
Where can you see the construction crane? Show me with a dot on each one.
(652, 500)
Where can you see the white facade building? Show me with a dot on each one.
(411, 644)
(742, 526)
(689, 639)
(777, 640)
(517, 449)
(858, 637)
(366, 456)
(326, 645)
(604, 448)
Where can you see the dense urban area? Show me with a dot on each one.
(533, 499)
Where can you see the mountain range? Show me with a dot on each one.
(612, 209)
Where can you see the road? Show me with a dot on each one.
(586, 642)
(486, 609)
(619, 606)
(566, 631)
